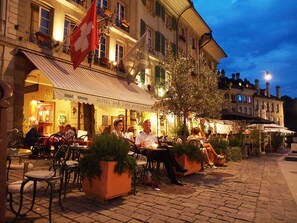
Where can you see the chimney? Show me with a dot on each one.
(223, 73)
(237, 76)
(257, 86)
(278, 95)
(267, 89)
(233, 76)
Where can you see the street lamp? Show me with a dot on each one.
(177, 21)
(267, 76)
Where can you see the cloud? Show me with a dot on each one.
(257, 36)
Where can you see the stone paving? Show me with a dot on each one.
(253, 190)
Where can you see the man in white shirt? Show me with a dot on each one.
(147, 139)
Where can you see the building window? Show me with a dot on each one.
(194, 43)
(263, 105)
(227, 97)
(142, 76)
(41, 20)
(268, 107)
(159, 75)
(272, 107)
(249, 99)
(239, 109)
(277, 108)
(102, 4)
(168, 21)
(68, 27)
(250, 111)
(120, 12)
(245, 110)
(119, 52)
(233, 98)
(239, 98)
(101, 52)
(244, 99)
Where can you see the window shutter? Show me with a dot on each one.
(158, 8)
(162, 13)
(173, 46)
(157, 75)
(162, 76)
(173, 23)
(142, 27)
(162, 44)
(142, 76)
(158, 41)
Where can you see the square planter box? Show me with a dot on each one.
(219, 162)
(109, 185)
(192, 166)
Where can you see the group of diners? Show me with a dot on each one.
(146, 140)
(34, 139)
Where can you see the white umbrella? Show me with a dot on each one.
(266, 126)
(280, 130)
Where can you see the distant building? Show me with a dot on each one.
(247, 100)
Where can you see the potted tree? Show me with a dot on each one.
(189, 156)
(106, 170)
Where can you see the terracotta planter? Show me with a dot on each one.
(192, 166)
(219, 162)
(109, 185)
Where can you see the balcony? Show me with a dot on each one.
(123, 24)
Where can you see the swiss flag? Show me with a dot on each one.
(85, 37)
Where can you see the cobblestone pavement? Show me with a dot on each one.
(253, 190)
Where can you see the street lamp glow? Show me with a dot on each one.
(267, 76)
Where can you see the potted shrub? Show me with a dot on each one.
(188, 156)
(106, 170)
(220, 145)
(234, 151)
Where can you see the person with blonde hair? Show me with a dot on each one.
(208, 150)
(130, 134)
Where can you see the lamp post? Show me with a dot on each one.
(267, 76)
(177, 21)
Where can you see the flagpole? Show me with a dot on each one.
(81, 18)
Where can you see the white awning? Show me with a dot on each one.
(89, 86)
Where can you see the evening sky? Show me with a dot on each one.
(257, 36)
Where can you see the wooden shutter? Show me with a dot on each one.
(157, 75)
(142, 27)
(174, 23)
(162, 44)
(158, 41)
(158, 8)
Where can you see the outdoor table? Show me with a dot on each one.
(77, 150)
(20, 153)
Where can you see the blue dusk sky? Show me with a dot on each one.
(257, 36)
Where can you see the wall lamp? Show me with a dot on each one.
(177, 21)
(205, 39)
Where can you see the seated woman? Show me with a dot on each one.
(208, 150)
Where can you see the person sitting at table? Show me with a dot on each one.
(208, 150)
(130, 134)
(147, 139)
(69, 133)
(31, 138)
(118, 125)
(61, 131)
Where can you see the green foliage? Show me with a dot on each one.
(107, 147)
(191, 86)
(277, 141)
(219, 144)
(234, 154)
(236, 140)
(192, 151)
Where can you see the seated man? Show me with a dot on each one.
(146, 139)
